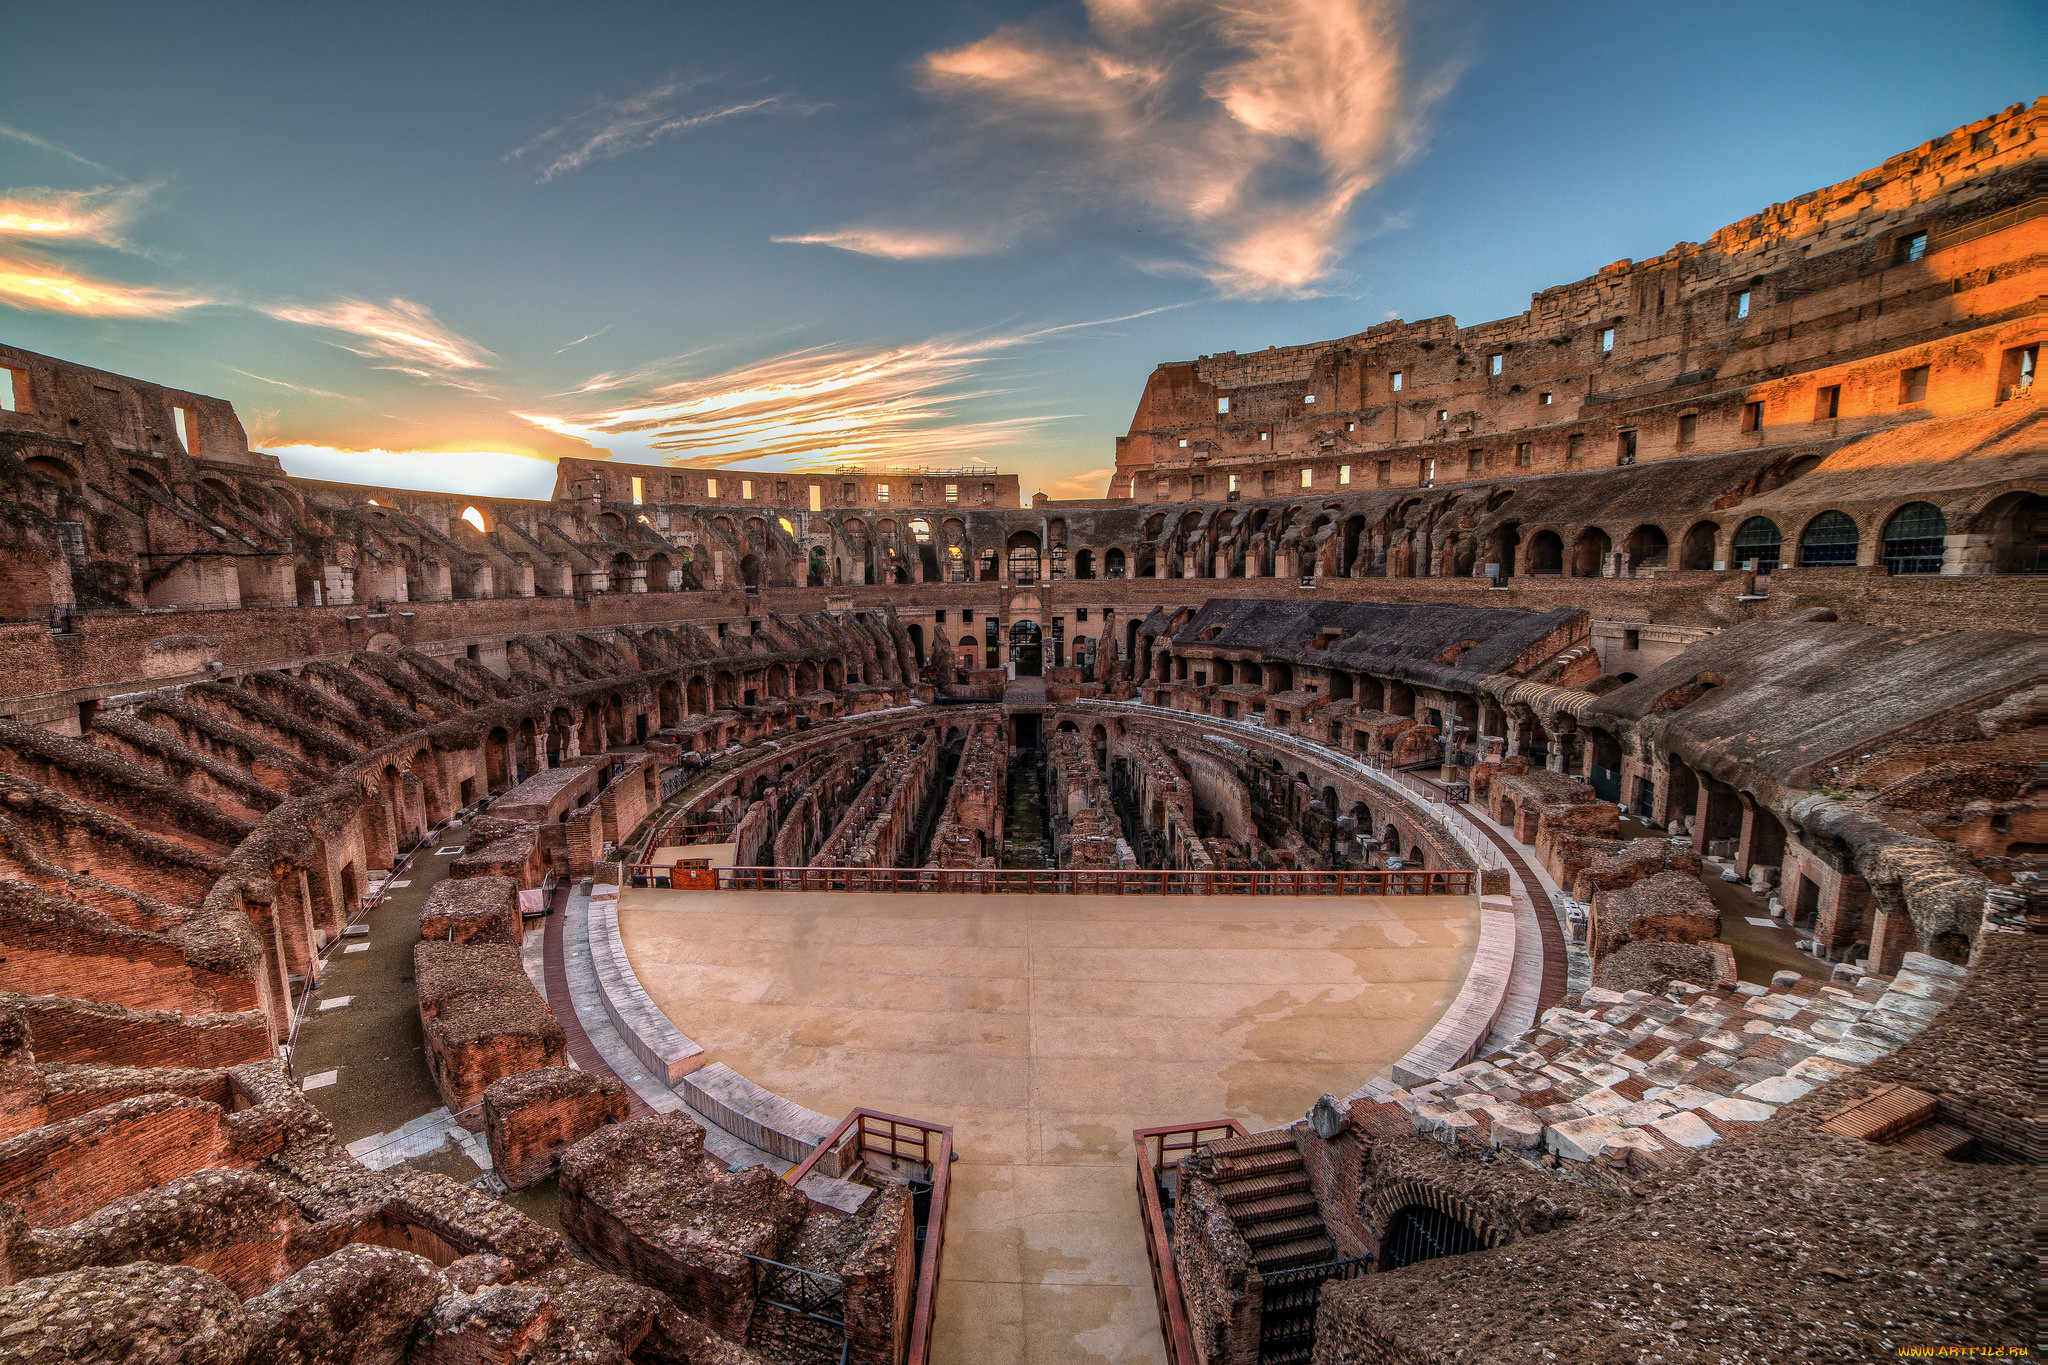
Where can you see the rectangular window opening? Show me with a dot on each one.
(1753, 416)
(1343, 475)
(1688, 428)
(1308, 478)
(747, 489)
(1386, 472)
(710, 488)
(13, 390)
(1475, 460)
(1308, 398)
(1738, 306)
(188, 429)
(1396, 381)
(639, 490)
(1606, 340)
(1626, 454)
(1913, 385)
(952, 492)
(1233, 483)
(1909, 249)
(882, 494)
(1524, 452)
(1543, 399)
(1631, 639)
(1827, 403)
(1493, 363)
(1222, 405)
(817, 497)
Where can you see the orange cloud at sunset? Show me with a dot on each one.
(26, 282)
(398, 330)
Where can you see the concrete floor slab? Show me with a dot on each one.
(1044, 1029)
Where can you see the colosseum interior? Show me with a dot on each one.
(1505, 843)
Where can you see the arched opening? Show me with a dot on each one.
(1696, 551)
(498, 759)
(659, 573)
(1421, 1233)
(1023, 557)
(1758, 542)
(667, 705)
(1084, 563)
(1113, 564)
(621, 577)
(1546, 553)
(1915, 538)
(1026, 650)
(55, 470)
(475, 518)
(1648, 548)
(750, 570)
(1590, 551)
(2017, 526)
(916, 634)
(814, 573)
(1829, 542)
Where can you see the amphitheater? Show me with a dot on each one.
(1505, 843)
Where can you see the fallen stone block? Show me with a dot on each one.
(1580, 1139)
(1687, 1129)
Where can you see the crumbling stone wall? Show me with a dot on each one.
(483, 1020)
(532, 1117)
(969, 832)
(1671, 907)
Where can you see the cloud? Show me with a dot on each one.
(895, 245)
(477, 473)
(398, 330)
(632, 124)
(44, 144)
(1246, 128)
(295, 388)
(95, 215)
(587, 336)
(32, 284)
(818, 406)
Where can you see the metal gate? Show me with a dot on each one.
(1606, 782)
(1421, 1233)
(1287, 1313)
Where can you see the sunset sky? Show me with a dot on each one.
(437, 249)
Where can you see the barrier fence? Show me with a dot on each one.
(1159, 1151)
(891, 1138)
(1058, 881)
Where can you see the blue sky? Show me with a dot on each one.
(438, 248)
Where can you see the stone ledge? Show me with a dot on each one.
(1464, 1026)
(651, 1035)
(757, 1115)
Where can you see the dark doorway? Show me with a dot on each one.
(1420, 1233)
(1026, 650)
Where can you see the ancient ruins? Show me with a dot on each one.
(1677, 638)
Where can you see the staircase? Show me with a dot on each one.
(1265, 1186)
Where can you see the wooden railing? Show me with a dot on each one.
(1081, 882)
(1159, 1148)
(680, 833)
(893, 1138)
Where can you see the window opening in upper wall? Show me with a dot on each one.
(1396, 381)
(1543, 399)
(1909, 249)
(1307, 478)
(1308, 398)
(1343, 474)
(13, 390)
(1738, 305)
(1222, 405)
(639, 490)
(1493, 363)
(817, 497)
(1913, 385)
(1827, 402)
(1606, 340)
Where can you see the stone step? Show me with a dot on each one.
(1278, 1206)
(1267, 1233)
(1287, 1255)
(1935, 1139)
(1263, 1187)
(1275, 1140)
(1229, 1170)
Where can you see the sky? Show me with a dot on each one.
(439, 247)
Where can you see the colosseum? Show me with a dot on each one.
(1500, 843)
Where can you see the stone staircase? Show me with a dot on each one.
(1265, 1185)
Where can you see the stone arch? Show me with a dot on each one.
(1758, 539)
(1915, 539)
(1648, 547)
(1590, 551)
(1392, 1218)
(1546, 553)
(1696, 551)
(1830, 540)
(2015, 528)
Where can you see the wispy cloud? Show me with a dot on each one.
(897, 245)
(1248, 128)
(617, 127)
(295, 388)
(587, 336)
(27, 282)
(95, 215)
(13, 134)
(820, 406)
(397, 330)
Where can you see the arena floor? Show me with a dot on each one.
(1044, 1029)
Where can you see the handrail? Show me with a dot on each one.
(1081, 881)
(935, 1148)
(1173, 1312)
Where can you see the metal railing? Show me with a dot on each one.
(1084, 882)
(1287, 1306)
(1159, 1148)
(893, 1138)
(811, 1293)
